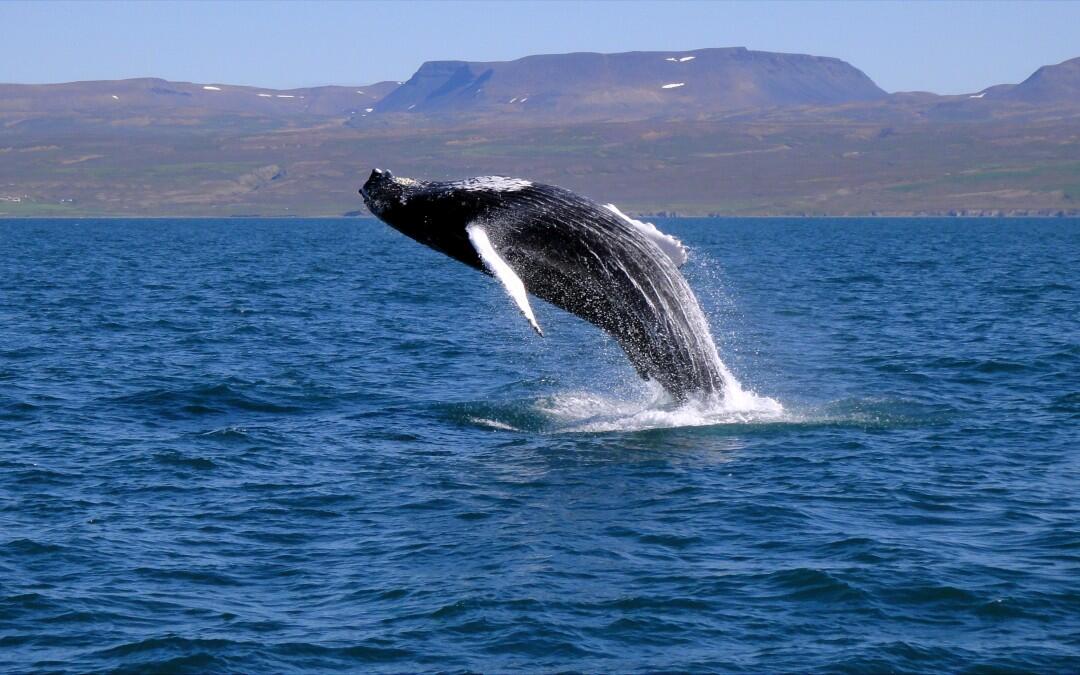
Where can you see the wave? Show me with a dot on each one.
(206, 399)
(591, 412)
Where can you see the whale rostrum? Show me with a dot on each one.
(593, 261)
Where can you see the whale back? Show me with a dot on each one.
(592, 261)
(595, 263)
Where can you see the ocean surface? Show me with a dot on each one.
(293, 446)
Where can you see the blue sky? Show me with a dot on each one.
(945, 47)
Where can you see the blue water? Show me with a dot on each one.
(315, 445)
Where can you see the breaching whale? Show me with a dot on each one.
(591, 260)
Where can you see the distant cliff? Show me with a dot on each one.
(632, 83)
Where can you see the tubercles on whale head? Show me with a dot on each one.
(383, 190)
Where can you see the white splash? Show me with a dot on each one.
(285, 96)
(589, 412)
(671, 246)
(687, 58)
(497, 183)
(116, 97)
(515, 288)
(265, 95)
(673, 85)
(494, 424)
(367, 110)
(979, 95)
(211, 88)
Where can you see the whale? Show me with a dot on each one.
(590, 259)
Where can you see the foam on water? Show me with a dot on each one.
(494, 424)
(583, 411)
(589, 411)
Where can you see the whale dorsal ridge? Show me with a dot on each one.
(671, 246)
(502, 271)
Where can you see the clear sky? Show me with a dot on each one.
(945, 47)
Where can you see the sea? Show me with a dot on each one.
(246, 445)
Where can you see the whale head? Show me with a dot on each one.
(425, 211)
(384, 193)
(388, 198)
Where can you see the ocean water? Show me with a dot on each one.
(288, 445)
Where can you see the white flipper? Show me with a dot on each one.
(667, 243)
(515, 288)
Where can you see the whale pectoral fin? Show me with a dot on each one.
(502, 271)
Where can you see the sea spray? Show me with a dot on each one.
(592, 412)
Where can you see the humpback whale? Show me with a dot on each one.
(591, 260)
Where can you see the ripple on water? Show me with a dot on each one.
(229, 446)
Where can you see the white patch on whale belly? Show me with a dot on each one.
(515, 288)
(671, 246)
(498, 183)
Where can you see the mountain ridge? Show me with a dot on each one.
(152, 93)
(1053, 83)
(576, 86)
(829, 142)
(655, 82)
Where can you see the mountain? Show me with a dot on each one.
(1051, 90)
(728, 131)
(1050, 84)
(637, 83)
(121, 98)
